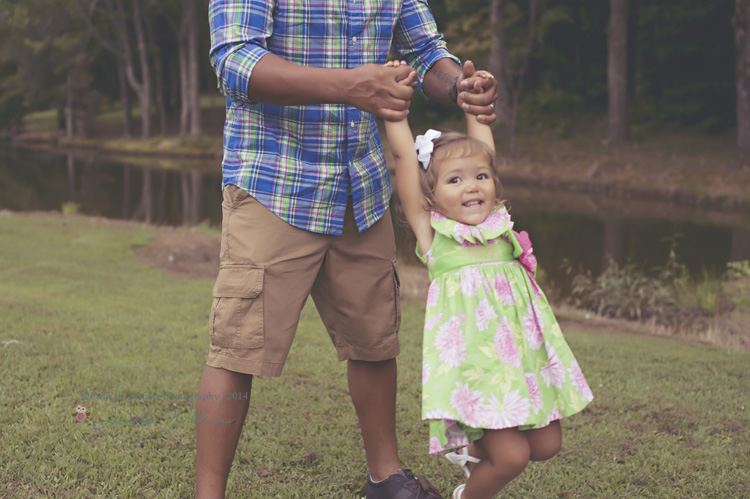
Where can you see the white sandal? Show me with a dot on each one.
(461, 458)
(458, 492)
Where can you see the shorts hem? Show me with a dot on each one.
(267, 369)
(369, 355)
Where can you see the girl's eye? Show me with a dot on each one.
(454, 180)
(482, 176)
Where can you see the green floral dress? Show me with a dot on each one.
(493, 353)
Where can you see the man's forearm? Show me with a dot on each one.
(277, 81)
(372, 88)
(441, 82)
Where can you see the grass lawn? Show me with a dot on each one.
(80, 315)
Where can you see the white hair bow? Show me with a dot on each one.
(423, 144)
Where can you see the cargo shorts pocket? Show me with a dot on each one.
(237, 312)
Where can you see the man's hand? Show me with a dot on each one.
(478, 93)
(384, 91)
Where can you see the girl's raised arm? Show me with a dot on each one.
(479, 131)
(476, 129)
(410, 193)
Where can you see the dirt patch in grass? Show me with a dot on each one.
(183, 252)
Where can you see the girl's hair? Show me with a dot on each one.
(455, 145)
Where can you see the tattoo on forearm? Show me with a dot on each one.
(453, 91)
(452, 82)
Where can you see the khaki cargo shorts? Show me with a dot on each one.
(269, 268)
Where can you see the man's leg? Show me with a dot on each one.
(217, 442)
(372, 386)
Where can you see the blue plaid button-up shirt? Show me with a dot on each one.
(305, 162)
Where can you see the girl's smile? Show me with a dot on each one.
(465, 190)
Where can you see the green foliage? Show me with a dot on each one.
(683, 65)
(681, 59)
(625, 292)
(738, 284)
(669, 296)
(70, 208)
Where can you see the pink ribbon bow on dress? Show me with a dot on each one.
(526, 258)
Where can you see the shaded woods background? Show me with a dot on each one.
(682, 64)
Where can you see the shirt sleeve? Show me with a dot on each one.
(417, 40)
(239, 30)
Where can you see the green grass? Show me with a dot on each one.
(79, 314)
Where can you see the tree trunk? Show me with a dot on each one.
(69, 111)
(127, 119)
(121, 49)
(617, 74)
(741, 24)
(161, 110)
(182, 66)
(193, 72)
(510, 80)
(497, 64)
(145, 97)
(188, 59)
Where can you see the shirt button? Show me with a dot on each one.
(354, 39)
(351, 124)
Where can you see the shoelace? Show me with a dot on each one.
(424, 488)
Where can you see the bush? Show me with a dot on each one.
(670, 296)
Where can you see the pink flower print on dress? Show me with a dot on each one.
(554, 372)
(514, 411)
(430, 256)
(435, 446)
(536, 395)
(554, 416)
(433, 293)
(471, 279)
(533, 326)
(466, 233)
(430, 323)
(497, 220)
(467, 244)
(467, 404)
(504, 290)
(576, 374)
(440, 415)
(437, 216)
(458, 441)
(505, 344)
(425, 373)
(449, 340)
(456, 435)
(483, 314)
(462, 316)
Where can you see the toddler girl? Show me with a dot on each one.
(497, 373)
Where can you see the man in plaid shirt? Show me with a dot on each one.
(305, 210)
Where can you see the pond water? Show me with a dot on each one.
(584, 230)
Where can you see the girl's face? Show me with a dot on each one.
(465, 190)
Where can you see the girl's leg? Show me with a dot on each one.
(545, 442)
(504, 454)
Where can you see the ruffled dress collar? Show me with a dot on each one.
(497, 223)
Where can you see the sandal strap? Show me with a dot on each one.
(462, 458)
